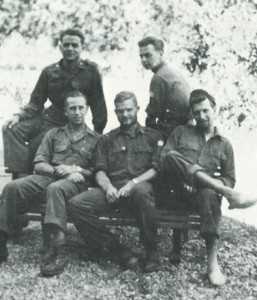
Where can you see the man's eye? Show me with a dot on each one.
(73, 45)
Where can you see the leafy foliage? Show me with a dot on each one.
(213, 42)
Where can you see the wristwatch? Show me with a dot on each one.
(135, 181)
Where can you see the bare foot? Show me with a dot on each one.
(238, 200)
(216, 277)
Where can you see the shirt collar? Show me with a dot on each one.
(82, 134)
(133, 131)
(79, 64)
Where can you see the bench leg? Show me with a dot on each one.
(176, 247)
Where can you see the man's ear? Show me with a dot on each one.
(60, 46)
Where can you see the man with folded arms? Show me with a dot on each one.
(199, 163)
(126, 164)
(63, 168)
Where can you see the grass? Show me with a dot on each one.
(19, 277)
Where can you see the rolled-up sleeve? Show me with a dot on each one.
(158, 143)
(228, 176)
(45, 149)
(101, 155)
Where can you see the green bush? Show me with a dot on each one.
(214, 42)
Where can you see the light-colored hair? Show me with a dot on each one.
(125, 95)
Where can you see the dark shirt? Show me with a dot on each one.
(169, 100)
(126, 155)
(216, 155)
(56, 81)
(58, 147)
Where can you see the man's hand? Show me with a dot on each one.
(64, 170)
(76, 177)
(126, 189)
(11, 122)
(112, 194)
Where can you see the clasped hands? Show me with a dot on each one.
(113, 194)
(71, 173)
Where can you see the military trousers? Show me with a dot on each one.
(20, 195)
(179, 173)
(85, 208)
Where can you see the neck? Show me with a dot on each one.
(209, 132)
(156, 68)
(70, 63)
(75, 127)
(128, 127)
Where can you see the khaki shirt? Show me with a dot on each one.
(57, 147)
(216, 155)
(55, 81)
(125, 155)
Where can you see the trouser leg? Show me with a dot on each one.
(84, 209)
(178, 168)
(15, 144)
(18, 195)
(57, 195)
(142, 204)
(209, 207)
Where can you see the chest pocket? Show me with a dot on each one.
(142, 159)
(214, 159)
(61, 151)
(190, 150)
(118, 156)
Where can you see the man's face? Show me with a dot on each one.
(204, 115)
(71, 47)
(150, 57)
(75, 110)
(126, 112)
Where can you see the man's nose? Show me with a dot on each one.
(202, 115)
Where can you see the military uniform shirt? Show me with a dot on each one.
(169, 97)
(126, 155)
(216, 155)
(57, 148)
(56, 81)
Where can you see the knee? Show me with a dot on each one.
(54, 188)
(10, 186)
(169, 160)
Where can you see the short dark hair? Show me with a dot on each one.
(123, 96)
(199, 95)
(73, 31)
(150, 40)
(73, 94)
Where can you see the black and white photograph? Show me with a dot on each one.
(128, 150)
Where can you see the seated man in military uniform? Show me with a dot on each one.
(63, 168)
(199, 163)
(126, 164)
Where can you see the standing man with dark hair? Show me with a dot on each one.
(63, 168)
(169, 92)
(126, 164)
(22, 134)
(199, 163)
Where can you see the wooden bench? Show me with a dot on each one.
(165, 218)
